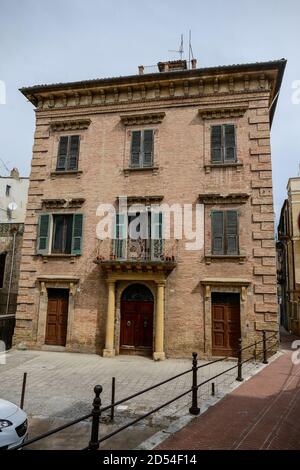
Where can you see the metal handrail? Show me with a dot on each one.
(97, 409)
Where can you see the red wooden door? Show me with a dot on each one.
(57, 318)
(226, 329)
(136, 327)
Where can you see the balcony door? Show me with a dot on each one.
(136, 333)
(139, 236)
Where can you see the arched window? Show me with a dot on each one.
(137, 292)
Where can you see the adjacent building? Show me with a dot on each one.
(288, 252)
(13, 198)
(196, 138)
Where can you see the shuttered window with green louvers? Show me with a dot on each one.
(68, 153)
(66, 234)
(223, 144)
(224, 229)
(142, 149)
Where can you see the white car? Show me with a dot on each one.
(13, 425)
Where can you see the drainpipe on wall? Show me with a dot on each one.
(11, 272)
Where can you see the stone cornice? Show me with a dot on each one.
(70, 125)
(145, 118)
(142, 199)
(222, 112)
(231, 198)
(63, 203)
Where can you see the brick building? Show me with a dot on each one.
(13, 198)
(288, 250)
(180, 135)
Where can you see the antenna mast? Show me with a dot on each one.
(180, 50)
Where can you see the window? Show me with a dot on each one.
(2, 268)
(8, 188)
(224, 232)
(139, 236)
(60, 234)
(142, 149)
(223, 147)
(68, 153)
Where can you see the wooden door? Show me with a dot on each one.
(136, 334)
(57, 317)
(226, 329)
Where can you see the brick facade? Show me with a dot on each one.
(191, 101)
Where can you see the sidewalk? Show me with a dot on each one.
(263, 413)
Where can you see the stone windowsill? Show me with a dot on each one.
(235, 258)
(56, 173)
(209, 166)
(67, 256)
(152, 169)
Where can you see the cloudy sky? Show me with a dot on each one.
(67, 40)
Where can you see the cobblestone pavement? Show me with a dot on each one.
(60, 387)
(263, 413)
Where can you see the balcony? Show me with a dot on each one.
(137, 255)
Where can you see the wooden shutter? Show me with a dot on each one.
(232, 232)
(148, 148)
(229, 143)
(62, 154)
(217, 229)
(120, 236)
(77, 233)
(156, 235)
(135, 148)
(73, 152)
(216, 144)
(43, 234)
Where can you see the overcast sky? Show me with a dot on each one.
(66, 40)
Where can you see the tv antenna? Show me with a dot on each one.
(191, 55)
(180, 50)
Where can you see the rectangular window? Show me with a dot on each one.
(142, 149)
(223, 145)
(139, 236)
(7, 192)
(68, 153)
(2, 268)
(66, 234)
(224, 229)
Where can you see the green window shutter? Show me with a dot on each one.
(120, 236)
(148, 148)
(156, 235)
(232, 232)
(73, 152)
(229, 143)
(135, 148)
(77, 233)
(217, 230)
(62, 154)
(43, 234)
(216, 144)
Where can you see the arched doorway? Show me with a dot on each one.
(136, 332)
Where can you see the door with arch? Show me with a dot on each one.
(136, 332)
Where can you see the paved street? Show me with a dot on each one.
(263, 413)
(60, 388)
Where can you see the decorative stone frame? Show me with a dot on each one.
(229, 285)
(120, 287)
(54, 151)
(55, 282)
(140, 126)
(220, 116)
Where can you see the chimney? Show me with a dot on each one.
(194, 63)
(141, 70)
(15, 173)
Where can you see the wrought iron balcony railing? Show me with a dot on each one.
(139, 250)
